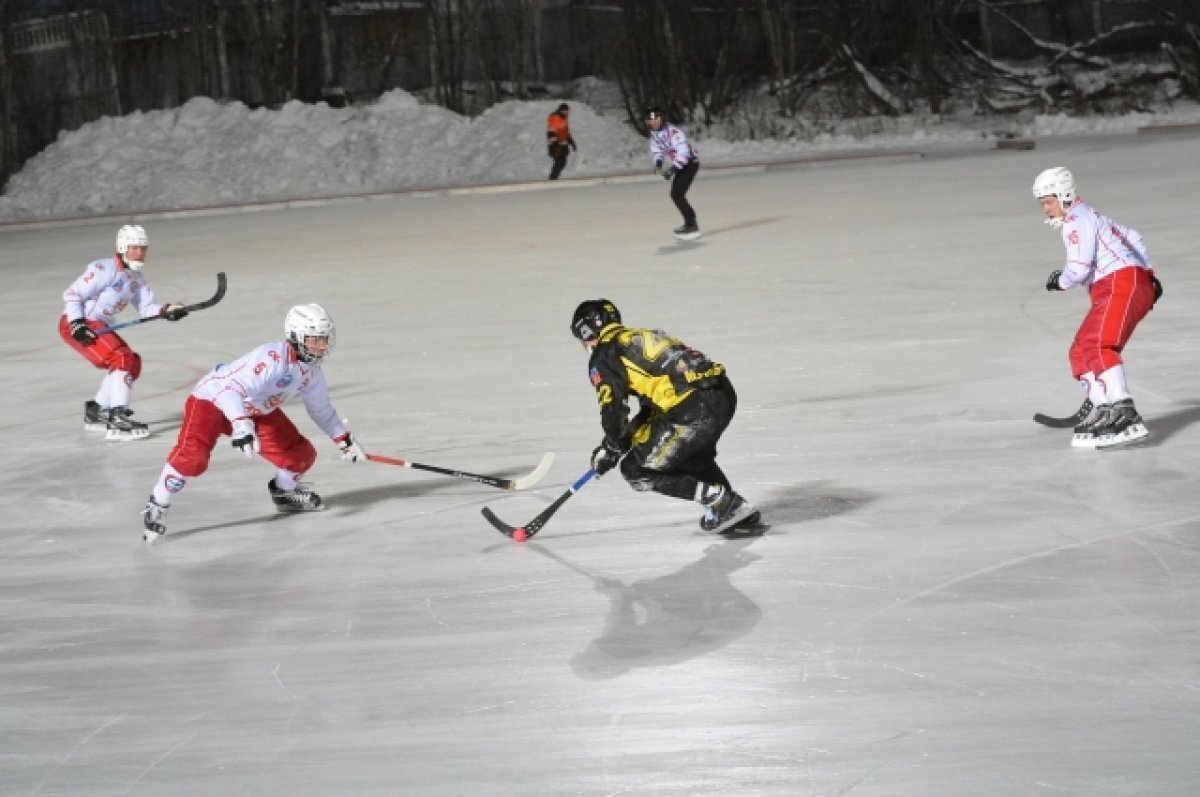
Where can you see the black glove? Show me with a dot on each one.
(1157, 288)
(669, 172)
(82, 332)
(605, 457)
(571, 141)
(1052, 281)
(174, 312)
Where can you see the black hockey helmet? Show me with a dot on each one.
(592, 316)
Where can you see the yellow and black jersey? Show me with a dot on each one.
(648, 363)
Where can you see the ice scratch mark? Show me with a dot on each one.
(159, 760)
(945, 585)
(74, 750)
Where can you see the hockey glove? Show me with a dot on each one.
(244, 438)
(1157, 288)
(174, 312)
(669, 172)
(1052, 281)
(605, 457)
(351, 450)
(82, 332)
(658, 166)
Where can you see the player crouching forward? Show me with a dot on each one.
(92, 303)
(685, 403)
(1109, 260)
(242, 399)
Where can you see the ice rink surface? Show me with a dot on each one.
(948, 600)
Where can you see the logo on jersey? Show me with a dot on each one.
(284, 382)
(174, 483)
(594, 375)
(1074, 237)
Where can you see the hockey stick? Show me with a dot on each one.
(535, 525)
(1063, 423)
(191, 308)
(522, 483)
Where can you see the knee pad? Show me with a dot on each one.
(302, 458)
(636, 475)
(128, 361)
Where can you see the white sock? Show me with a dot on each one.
(287, 479)
(103, 393)
(1093, 387)
(120, 388)
(1114, 384)
(170, 482)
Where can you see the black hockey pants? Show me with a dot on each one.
(674, 451)
(559, 153)
(680, 184)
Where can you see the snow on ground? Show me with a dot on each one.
(207, 153)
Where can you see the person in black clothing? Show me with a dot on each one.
(685, 403)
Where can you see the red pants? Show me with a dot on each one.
(109, 351)
(282, 444)
(1119, 302)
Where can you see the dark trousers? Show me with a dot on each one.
(559, 153)
(680, 184)
(679, 449)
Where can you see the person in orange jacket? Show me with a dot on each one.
(558, 139)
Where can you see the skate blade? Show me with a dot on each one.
(1084, 440)
(299, 510)
(138, 434)
(687, 236)
(151, 537)
(1131, 437)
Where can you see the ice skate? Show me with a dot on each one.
(1085, 432)
(687, 232)
(121, 426)
(95, 417)
(299, 499)
(1124, 426)
(725, 510)
(154, 517)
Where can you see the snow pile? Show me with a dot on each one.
(207, 153)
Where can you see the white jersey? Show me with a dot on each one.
(668, 143)
(1097, 246)
(105, 289)
(263, 380)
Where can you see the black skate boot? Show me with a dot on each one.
(300, 499)
(1124, 426)
(121, 426)
(1085, 431)
(95, 417)
(724, 509)
(687, 232)
(154, 517)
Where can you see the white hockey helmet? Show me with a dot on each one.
(1058, 182)
(309, 321)
(131, 235)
